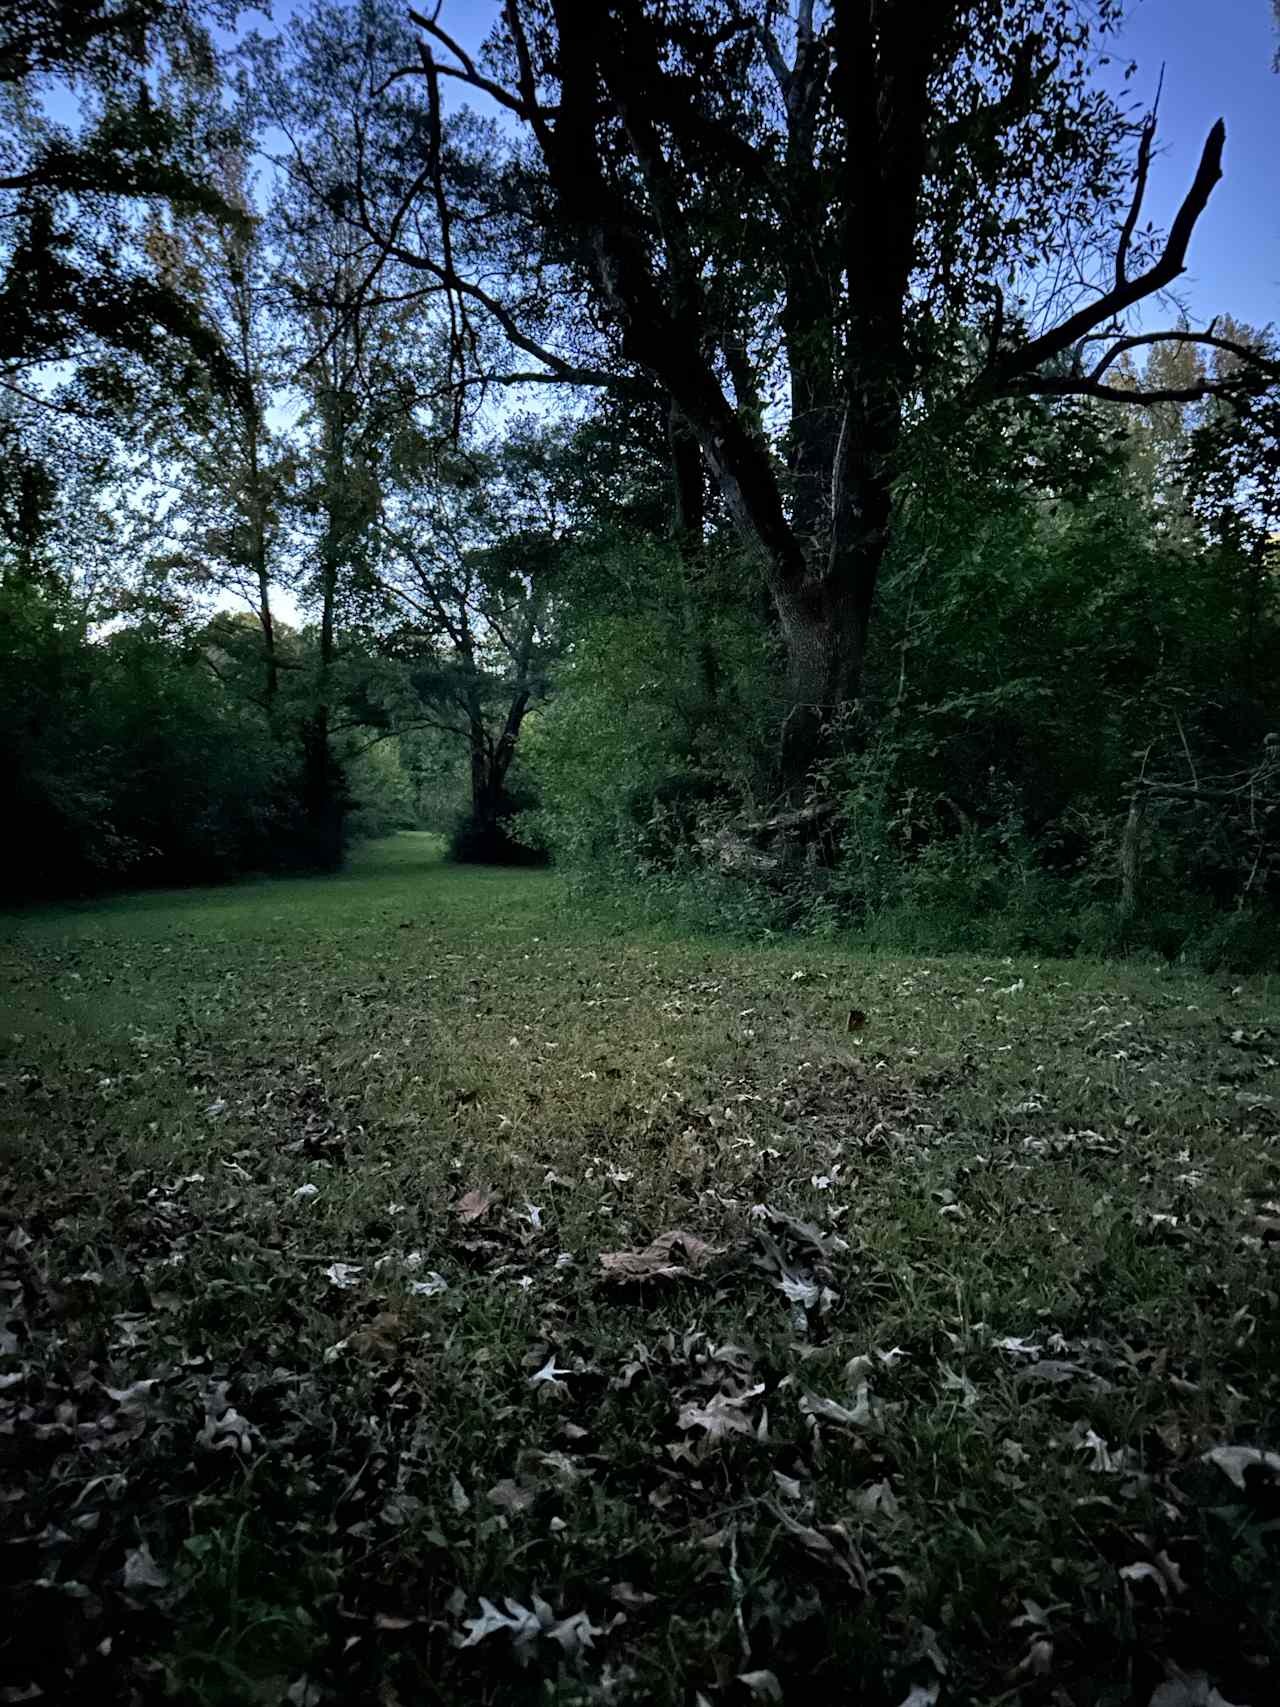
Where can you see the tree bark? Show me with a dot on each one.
(825, 638)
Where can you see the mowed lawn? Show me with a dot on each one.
(346, 1355)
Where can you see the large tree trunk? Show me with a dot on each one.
(824, 633)
(490, 765)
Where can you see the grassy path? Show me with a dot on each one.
(314, 1385)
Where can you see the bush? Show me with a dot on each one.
(125, 760)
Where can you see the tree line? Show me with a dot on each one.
(754, 449)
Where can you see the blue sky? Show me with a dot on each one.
(1218, 58)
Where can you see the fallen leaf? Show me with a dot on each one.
(510, 1496)
(344, 1274)
(1190, 1690)
(877, 1500)
(661, 1260)
(762, 1684)
(1142, 1572)
(549, 1374)
(517, 1621)
(628, 1595)
(475, 1205)
(574, 1633)
(1233, 1461)
(141, 1570)
(721, 1415)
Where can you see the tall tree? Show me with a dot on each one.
(232, 473)
(817, 233)
(363, 351)
(472, 553)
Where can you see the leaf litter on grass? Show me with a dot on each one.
(770, 1449)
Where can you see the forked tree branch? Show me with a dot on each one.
(1016, 371)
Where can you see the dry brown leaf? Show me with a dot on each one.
(475, 1205)
(671, 1256)
(722, 1414)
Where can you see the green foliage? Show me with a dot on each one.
(1052, 646)
(382, 791)
(126, 759)
(661, 711)
(77, 284)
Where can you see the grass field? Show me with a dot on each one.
(343, 1359)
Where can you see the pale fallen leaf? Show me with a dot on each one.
(813, 1405)
(428, 1288)
(549, 1374)
(344, 1274)
(474, 1205)
(1017, 1347)
(1191, 1690)
(953, 1383)
(723, 1414)
(518, 1622)
(1142, 1572)
(921, 1695)
(225, 1430)
(510, 1496)
(307, 1191)
(798, 1290)
(574, 1633)
(876, 1500)
(1038, 1661)
(458, 1496)
(1233, 1461)
(762, 1684)
(1054, 1370)
(671, 1256)
(628, 1595)
(141, 1570)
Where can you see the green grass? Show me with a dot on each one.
(839, 1494)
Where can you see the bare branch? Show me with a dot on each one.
(1139, 187)
(466, 69)
(1082, 386)
(1230, 345)
(1012, 371)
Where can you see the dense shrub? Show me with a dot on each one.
(126, 761)
(1040, 666)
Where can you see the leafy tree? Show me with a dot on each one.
(816, 236)
(473, 559)
(76, 284)
(227, 477)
